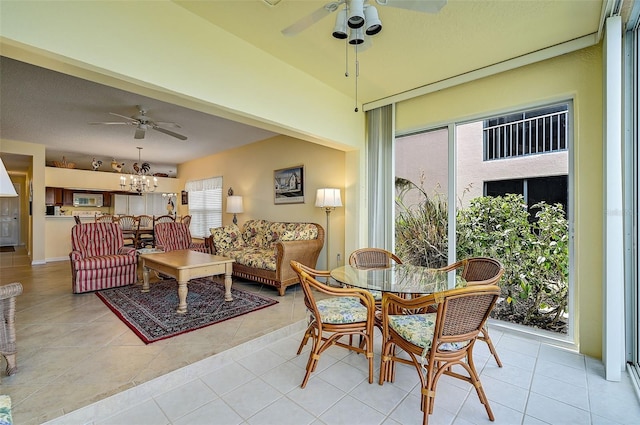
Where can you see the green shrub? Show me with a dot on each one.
(534, 250)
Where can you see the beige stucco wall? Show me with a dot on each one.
(576, 76)
(249, 171)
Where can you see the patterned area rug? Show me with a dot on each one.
(152, 316)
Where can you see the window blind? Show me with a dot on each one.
(205, 205)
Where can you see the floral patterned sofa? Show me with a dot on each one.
(262, 250)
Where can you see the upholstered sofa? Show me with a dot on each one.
(263, 250)
(99, 259)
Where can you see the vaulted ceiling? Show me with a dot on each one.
(412, 50)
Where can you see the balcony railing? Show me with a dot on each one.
(529, 136)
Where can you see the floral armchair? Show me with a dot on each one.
(99, 259)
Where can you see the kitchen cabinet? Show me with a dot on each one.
(53, 196)
(68, 197)
(149, 204)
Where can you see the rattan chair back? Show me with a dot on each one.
(373, 258)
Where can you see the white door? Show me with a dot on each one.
(10, 219)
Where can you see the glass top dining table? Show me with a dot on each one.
(399, 278)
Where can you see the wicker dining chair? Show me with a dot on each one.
(480, 271)
(341, 312)
(373, 258)
(186, 219)
(129, 226)
(436, 342)
(144, 234)
(8, 295)
(104, 218)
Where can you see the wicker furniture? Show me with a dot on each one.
(99, 259)
(436, 343)
(144, 232)
(263, 249)
(129, 225)
(8, 295)
(373, 258)
(480, 271)
(104, 218)
(171, 236)
(340, 312)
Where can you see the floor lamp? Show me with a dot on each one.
(328, 199)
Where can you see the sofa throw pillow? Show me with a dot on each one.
(254, 233)
(227, 238)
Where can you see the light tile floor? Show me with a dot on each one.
(95, 371)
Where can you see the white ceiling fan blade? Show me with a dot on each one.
(122, 116)
(168, 124)
(424, 6)
(311, 19)
(169, 132)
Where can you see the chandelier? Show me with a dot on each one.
(139, 182)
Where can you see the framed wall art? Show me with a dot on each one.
(289, 185)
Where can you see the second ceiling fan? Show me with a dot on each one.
(143, 123)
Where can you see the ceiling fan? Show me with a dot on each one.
(142, 123)
(357, 6)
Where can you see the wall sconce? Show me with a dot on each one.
(234, 206)
(329, 199)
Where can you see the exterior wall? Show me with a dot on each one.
(249, 170)
(577, 76)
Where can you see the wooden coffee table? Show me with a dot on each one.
(185, 265)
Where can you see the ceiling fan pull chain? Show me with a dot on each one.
(346, 58)
(357, 74)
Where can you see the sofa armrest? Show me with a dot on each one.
(75, 256)
(208, 242)
(305, 252)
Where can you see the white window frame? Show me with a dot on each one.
(205, 205)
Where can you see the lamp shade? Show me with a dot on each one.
(328, 198)
(340, 29)
(234, 204)
(356, 13)
(6, 186)
(373, 24)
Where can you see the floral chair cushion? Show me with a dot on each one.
(5, 410)
(418, 329)
(264, 259)
(227, 238)
(337, 310)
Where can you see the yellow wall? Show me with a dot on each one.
(36, 174)
(249, 171)
(98, 180)
(576, 76)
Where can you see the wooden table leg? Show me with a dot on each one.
(145, 279)
(182, 297)
(227, 282)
